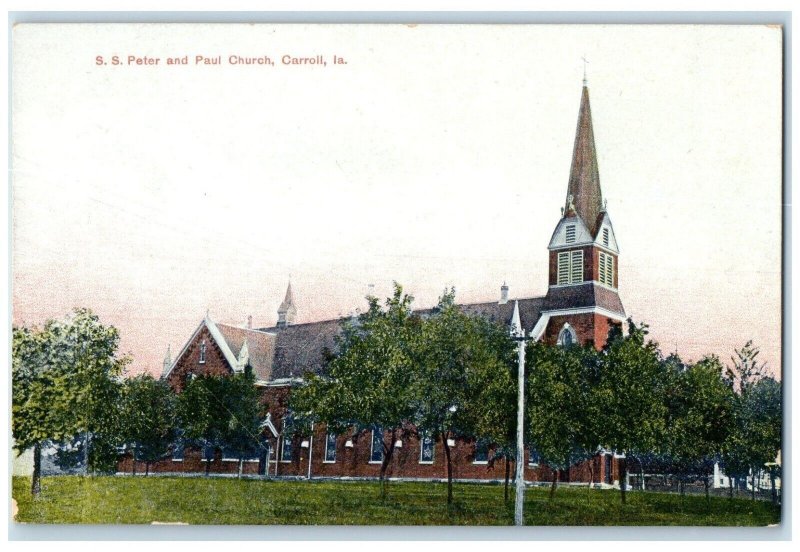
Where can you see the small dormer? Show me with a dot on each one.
(605, 235)
(570, 232)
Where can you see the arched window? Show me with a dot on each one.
(567, 336)
(202, 352)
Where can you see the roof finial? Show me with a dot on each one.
(585, 61)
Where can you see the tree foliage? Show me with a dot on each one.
(563, 405)
(65, 384)
(463, 362)
(148, 418)
(699, 417)
(369, 382)
(629, 394)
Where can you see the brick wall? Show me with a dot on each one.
(189, 362)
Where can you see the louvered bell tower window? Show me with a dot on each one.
(571, 233)
(606, 269)
(570, 267)
(605, 237)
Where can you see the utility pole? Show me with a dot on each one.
(520, 468)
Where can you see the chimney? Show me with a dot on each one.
(249, 321)
(503, 294)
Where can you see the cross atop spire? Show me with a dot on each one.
(584, 197)
(585, 62)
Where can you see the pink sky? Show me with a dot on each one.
(436, 157)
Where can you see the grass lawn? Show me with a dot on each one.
(76, 499)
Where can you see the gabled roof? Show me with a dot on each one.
(584, 176)
(231, 340)
(260, 348)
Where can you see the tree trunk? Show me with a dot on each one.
(36, 478)
(556, 473)
(623, 477)
(591, 473)
(705, 484)
(505, 490)
(241, 467)
(133, 461)
(146, 468)
(449, 468)
(208, 463)
(731, 481)
(387, 457)
(753, 492)
(681, 486)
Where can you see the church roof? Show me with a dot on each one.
(301, 348)
(588, 294)
(584, 176)
(260, 347)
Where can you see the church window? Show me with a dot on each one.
(481, 452)
(202, 352)
(571, 233)
(606, 265)
(287, 443)
(570, 267)
(376, 454)
(426, 445)
(330, 448)
(567, 336)
(287, 449)
(563, 268)
(577, 267)
(605, 237)
(177, 451)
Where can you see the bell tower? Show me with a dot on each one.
(582, 300)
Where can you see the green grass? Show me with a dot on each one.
(75, 499)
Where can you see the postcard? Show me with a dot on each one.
(367, 274)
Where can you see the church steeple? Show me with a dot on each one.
(287, 311)
(584, 197)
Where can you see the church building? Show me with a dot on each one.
(581, 305)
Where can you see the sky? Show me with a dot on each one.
(436, 156)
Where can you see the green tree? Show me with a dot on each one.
(755, 436)
(458, 354)
(148, 418)
(200, 413)
(490, 411)
(628, 392)
(761, 416)
(240, 406)
(699, 418)
(369, 381)
(561, 404)
(64, 385)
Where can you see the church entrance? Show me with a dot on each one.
(608, 475)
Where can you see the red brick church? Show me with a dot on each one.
(580, 306)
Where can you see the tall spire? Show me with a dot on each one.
(287, 311)
(583, 192)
